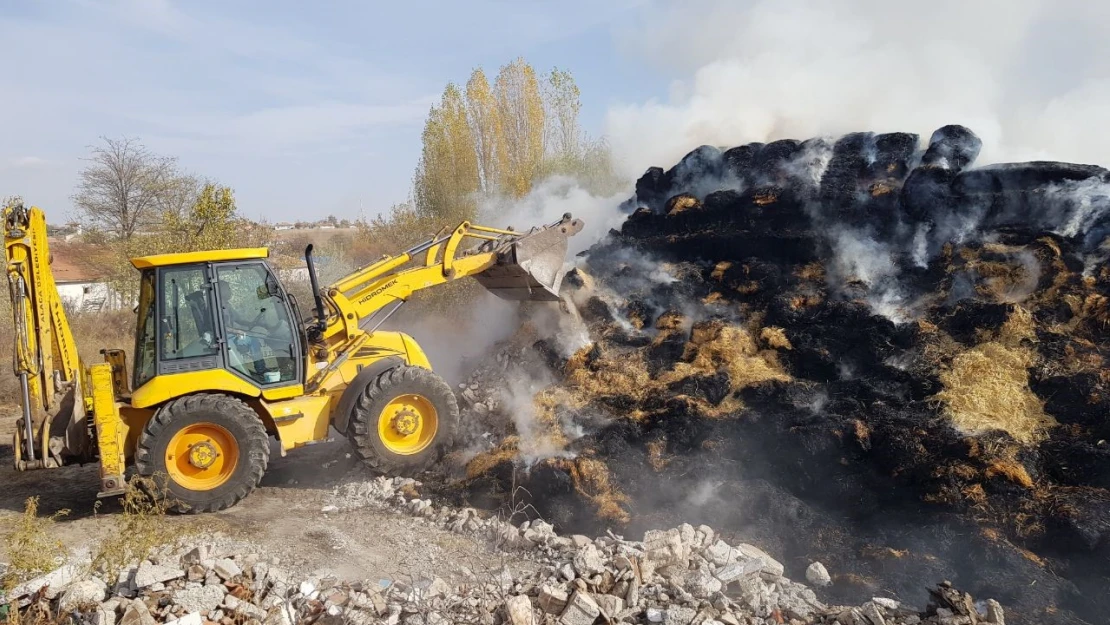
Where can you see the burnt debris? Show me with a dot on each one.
(865, 351)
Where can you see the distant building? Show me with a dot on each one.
(79, 272)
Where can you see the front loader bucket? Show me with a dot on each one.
(531, 266)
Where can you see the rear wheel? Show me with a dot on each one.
(404, 421)
(208, 451)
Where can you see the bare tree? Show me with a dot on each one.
(125, 187)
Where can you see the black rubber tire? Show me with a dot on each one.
(403, 380)
(230, 413)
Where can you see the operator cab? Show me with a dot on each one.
(216, 310)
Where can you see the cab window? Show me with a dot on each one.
(186, 324)
(257, 324)
(146, 333)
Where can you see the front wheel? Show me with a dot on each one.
(208, 451)
(404, 421)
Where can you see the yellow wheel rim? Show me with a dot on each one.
(202, 456)
(408, 424)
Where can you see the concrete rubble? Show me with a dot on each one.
(679, 576)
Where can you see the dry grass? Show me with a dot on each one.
(715, 346)
(719, 270)
(592, 480)
(975, 494)
(615, 374)
(681, 203)
(657, 454)
(812, 272)
(1019, 327)
(31, 546)
(483, 462)
(775, 338)
(139, 529)
(1011, 470)
(763, 198)
(987, 388)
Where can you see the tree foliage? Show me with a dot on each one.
(210, 222)
(125, 187)
(501, 140)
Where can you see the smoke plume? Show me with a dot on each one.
(1030, 76)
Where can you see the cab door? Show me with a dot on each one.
(262, 342)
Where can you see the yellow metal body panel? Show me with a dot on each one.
(132, 422)
(301, 420)
(284, 392)
(207, 256)
(162, 388)
(111, 433)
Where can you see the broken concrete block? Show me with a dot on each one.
(196, 556)
(552, 600)
(137, 614)
(84, 593)
(580, 610)
(738, 570)
(769, 564)
(226, 568)
(817, 575)
(679, 615)
(610, 605)
(588, 561)
(720, 553)
(702, 584)
(203, 599)
(519, 609)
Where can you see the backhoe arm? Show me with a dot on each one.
(45, 355)
(512, 265)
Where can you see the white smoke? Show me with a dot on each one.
(549, 200)
(1030, 77)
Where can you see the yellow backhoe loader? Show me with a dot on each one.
(223, 361)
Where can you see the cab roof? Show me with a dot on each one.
(210, 256)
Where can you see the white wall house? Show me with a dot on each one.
(81, 284)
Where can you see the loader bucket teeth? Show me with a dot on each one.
(531, 267)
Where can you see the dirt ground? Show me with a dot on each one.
(283, 517)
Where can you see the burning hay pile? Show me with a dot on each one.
(858, 351)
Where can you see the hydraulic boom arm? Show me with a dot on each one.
(45, 355)
(512, 265)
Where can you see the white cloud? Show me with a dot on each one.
(22, 162)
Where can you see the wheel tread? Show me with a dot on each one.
(362, 430)
(257, 445)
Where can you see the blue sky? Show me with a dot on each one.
(304, 108)
(307, 107)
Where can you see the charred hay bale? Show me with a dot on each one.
(771, 164)
(967, 320)
(653, 188)
(927, 195)
(596, 311)
(722, 244)
(712, 388)
(843, 181)
(1024, 177)
(643, 221)
(698, 173)
(681, 203)
(893, 154)
(1077, 399)
(1075, 458)
(739, 162)
(952, 147)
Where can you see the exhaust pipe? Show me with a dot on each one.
(321, 313)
